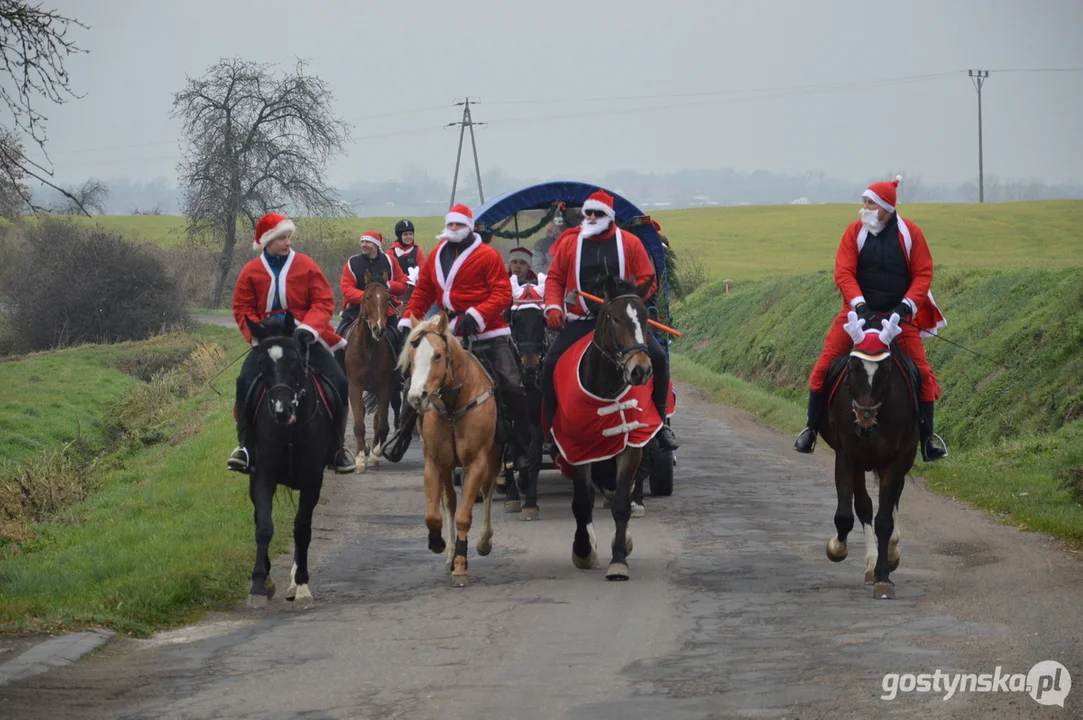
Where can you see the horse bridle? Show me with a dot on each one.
(295, 395)
(616, 357)
(441, 407)
(364, 300)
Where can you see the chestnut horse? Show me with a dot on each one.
(456, 404)
(370, 361)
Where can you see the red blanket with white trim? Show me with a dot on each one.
(588, 428)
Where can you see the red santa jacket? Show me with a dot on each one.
(634, 265)
(397, 250)
(477, 285)
(302, 290)
(926, 314)
(353, 294)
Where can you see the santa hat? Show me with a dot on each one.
(460, 214)
(271, 227)
(884, 193)
(601, 200)
(520, 250)
(373, 237)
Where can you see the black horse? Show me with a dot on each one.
(293, 436)
(872, 425)
(531, 339)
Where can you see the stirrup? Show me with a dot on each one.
(239, 460)
(927, 445)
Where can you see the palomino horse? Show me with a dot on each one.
(872, 425)
(528, 334)
(292, 433)
(370, 361)
(456, 404)
(597, 426)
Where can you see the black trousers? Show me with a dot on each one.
(498, 357)
(320, 359)
(576, 330)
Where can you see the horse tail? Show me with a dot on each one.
(370, 402)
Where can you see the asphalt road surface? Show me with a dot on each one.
(733, 610)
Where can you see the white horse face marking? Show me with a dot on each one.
(870, 369)
(635, 323)
(420, 375)
(275, 353)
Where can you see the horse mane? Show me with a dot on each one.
(624, 287)
(404, 355)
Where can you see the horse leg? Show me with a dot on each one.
(890, 490)
(863, 507)
(260, 490)
(357, 405)
(302, 537)
(380, 425)
(844, 514)
(434, 519)
(488, 482)
(641, 472)
(529, 476)
(627, 463)
(448, 510)
(584, 555)
(474, 477)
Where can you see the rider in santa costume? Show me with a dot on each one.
(467, 278)
(582, 259)
(280, 280)
(406, 251)
(883, 267)
(377, 263)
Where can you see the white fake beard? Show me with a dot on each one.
(599, 226)
(454, 236)
(871, 220)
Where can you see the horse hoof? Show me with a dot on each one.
(484, 547)
(870, 577)
(437, 545)
(587, 563)
(269, 586)
(513, 506)
(617, 571)
(883, 590)
(836, 551)
(257, 602)
(304, 597)
(459, 580)
(530, 514)
(638, 510)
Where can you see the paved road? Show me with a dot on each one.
(733, 611)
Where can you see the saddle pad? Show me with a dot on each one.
(588, 428)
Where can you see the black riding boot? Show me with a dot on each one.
(806, 441)
(517, 410)
(239, 459)
(399, 442)
(344, 461)
(340, 358)
(929, 451)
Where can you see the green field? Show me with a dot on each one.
(752, 243)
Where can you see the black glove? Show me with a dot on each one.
(903, 309)
(864, 313)
(304, 336)
(468, 325)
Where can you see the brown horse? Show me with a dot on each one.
(370, 361)
(456, 405)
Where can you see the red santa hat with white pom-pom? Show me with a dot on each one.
(271, 227)
(601, 200)
(884, 194)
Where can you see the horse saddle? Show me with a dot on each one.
(503, 429)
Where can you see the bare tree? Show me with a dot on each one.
(91, 195)
(34, 45)
(12, 189)
(256, 144)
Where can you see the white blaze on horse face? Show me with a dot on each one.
(870, 370)
(420, 374)
(275, 352)
(636, 324)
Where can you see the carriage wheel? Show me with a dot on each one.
(662, 473)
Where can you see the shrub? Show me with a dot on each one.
(81, 285)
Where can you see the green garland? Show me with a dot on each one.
(524, 234)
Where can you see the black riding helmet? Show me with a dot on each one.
(401, 227)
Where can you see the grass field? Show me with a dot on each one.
(752, 243)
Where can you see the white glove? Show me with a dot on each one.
(411, 275)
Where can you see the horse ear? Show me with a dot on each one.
(256, 329)
(610, 287)
(290, 323)
(644, 287)
(368, 277)
(383, 278)
(441, 322)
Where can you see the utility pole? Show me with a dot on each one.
(466, 122)
(978, 77)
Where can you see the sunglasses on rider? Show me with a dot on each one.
(594, 213)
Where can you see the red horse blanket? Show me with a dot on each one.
(588, 428)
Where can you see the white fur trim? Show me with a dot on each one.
(898, 178)
(459, 218)
(406, 324)
(309, 328)
(283, 227)
(878, 200)
(595, 205)
(913, 306)
(371, 239)
(857, 301)
(473, 312)
(547, 308)
(282, 277)
(522, 250)
(445, 283)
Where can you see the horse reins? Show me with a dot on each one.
(617, 357)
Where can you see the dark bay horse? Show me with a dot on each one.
(872, 425)
(615, 359)
(370, 363)
(528, 333)
(293, 436)
(456, 403)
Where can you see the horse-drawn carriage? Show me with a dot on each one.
(533, 217)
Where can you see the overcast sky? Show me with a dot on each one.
(547, 71)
